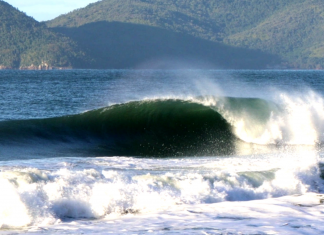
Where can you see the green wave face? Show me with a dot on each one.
(146, 128)
(156, 128)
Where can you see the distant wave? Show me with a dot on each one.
(162, 127)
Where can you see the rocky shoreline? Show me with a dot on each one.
(34, 67)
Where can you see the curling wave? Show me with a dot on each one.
(172, 127)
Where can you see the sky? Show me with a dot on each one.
(42, 10)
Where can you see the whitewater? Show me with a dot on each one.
(161, 152)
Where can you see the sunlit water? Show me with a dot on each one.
(265, 180)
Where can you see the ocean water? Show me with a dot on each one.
(161, 152)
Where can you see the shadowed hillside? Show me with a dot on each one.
(125, 45)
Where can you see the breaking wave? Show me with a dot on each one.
(174, 127)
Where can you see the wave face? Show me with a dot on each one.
(170, 127)
(155, 128)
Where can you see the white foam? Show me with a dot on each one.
(13, 211)
(289, 215)
(299, 123)
(102, 188)
(304, 118)
(299, 120)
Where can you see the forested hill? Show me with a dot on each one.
(232, 29)
(28, 44)
(168, 34)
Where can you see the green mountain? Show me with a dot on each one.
(228, 33)
(28, 44)
(168, 34)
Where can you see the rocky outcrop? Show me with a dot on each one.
(43, 66)
(4, 67)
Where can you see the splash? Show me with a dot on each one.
(290, 119)
(114, 187)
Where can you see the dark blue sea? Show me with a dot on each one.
(161, 152)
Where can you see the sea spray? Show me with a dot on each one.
(292, 119)
(302, 119)
(13, 211)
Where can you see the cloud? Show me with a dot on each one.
(43, 10)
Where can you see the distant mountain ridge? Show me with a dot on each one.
(290, 29)
(229, 34)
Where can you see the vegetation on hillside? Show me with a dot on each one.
(295, 33)
(291, 29)
(206, 33)
(26, 43)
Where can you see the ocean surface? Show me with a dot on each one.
(161, 152)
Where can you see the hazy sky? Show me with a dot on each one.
(43, 10)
